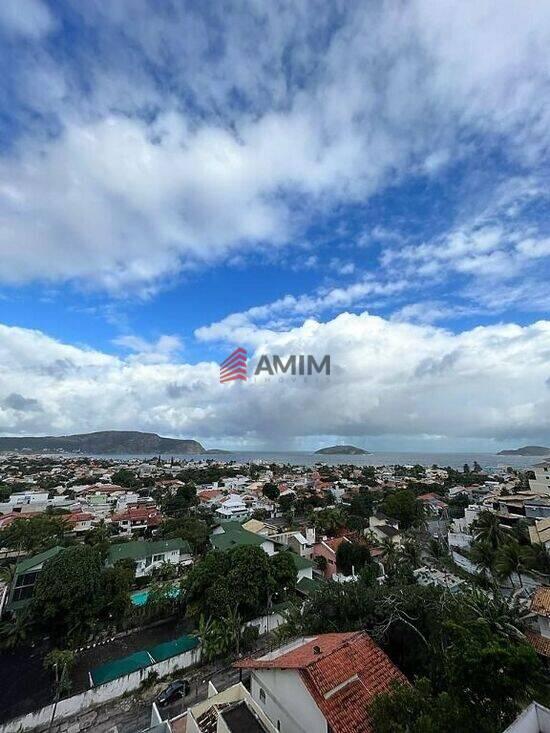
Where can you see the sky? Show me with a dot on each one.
(367, 180)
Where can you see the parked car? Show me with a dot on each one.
(175, 691)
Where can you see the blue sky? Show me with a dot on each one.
(175, 181)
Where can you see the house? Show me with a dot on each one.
(233, 508)
(539, 637)
(301, 544)
(148, 556)
(137, 519)
(539, 533)
(322, 683)
(384, 528)
(327, 549)
(434, 504)
(80, 521)
(541, 483)
(534, 719)
(258, 527)
(304, 567)
(232, 534)
(25, 576)
(439, 578)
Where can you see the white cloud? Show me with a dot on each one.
(388, 378)
(138, 186)
(164, 349)
(30, 18)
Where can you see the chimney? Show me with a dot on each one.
(316, 650)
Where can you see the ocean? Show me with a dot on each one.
(488, 461)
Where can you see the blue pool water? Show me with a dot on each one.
(139, 598)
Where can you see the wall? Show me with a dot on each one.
(100, 694)
(265, 624)
(286, 700)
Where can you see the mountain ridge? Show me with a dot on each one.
(104, 441)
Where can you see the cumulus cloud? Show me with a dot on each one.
(27, 18)
(194, 142)
(388, 378)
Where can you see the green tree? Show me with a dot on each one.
(68, 593)
(271, 491)
(34, 534)
(178, 505)
(483, 554)
(125, 477)
(282, 573)
(192, 530)
(16, 631)
(512, 559)
(60, 662)
(352, 556)
(487, 529)
(403, 506)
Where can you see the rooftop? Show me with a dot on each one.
(343, 673)
(541, 601)
(140, 549)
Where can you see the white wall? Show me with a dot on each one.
(100, 694)
(287, 700)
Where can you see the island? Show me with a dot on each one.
(342, 450)
(527, 450)
(105, 441)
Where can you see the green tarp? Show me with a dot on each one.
(120, 667)
(171, 648)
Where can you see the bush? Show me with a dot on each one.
(249, 638)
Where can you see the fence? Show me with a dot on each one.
(115, 688)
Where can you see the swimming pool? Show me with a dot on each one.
(139, 597)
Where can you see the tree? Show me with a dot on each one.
(178, 505)
(487, 529)
(202, 577)
(283, 573)
(192, 530)
(352, 557)
(329, 521)
(34, 534)
(125, 477)
(116, 586)
(403, 506)
(482, 554)
(68, 593)
(271, 491)
(60, 662)
(513, 558)
(16, 631)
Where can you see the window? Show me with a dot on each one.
(158, 558)
(262, 695)
(24, 586)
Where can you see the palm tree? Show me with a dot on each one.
(15, 632)
(234, 623)
(513, 558)
(7, 574)
(488, 529)
(482, 554)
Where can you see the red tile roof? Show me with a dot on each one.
(135, 514)
(343, 678)
(78, 517)
(540, 643)
(541, 601)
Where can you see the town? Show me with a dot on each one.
(167, 595)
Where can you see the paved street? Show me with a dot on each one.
(132, 713)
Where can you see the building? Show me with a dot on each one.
(439, 578)
(534, 719)
(321, 683)
(327, 549)
(148, 556)
(539, 637)
(232, 534)
(233, 508)
(26, 574)
(384, 528)
(137, 519)
(541, 483)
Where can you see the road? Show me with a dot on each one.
(132, 713)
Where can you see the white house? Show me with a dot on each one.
(541, 483)
(307, 684)
(233, 508)
(534, 719)
(148, 556)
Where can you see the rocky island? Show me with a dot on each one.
(342, 450)
(527, 450)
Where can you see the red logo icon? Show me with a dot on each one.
(234, 367)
